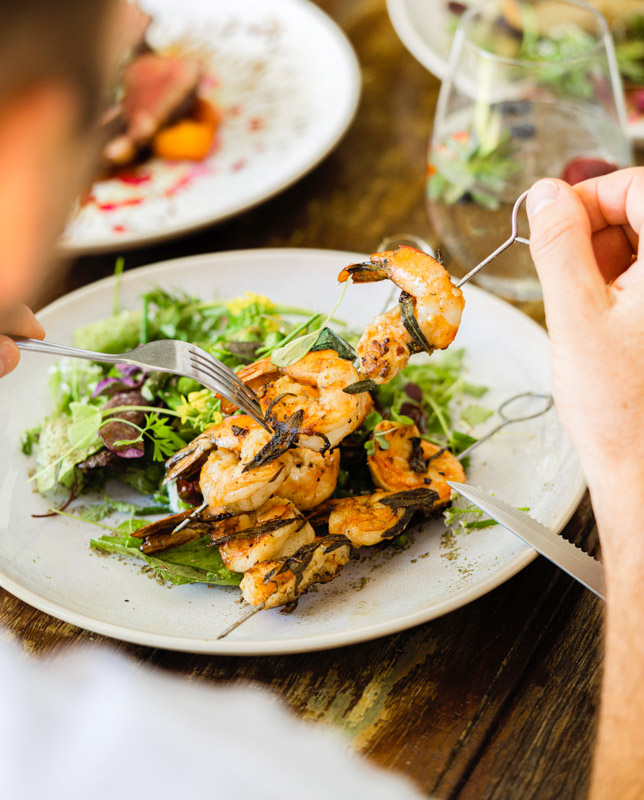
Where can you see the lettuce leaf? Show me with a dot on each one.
(55, 457)
(112, 335)
(195, 562)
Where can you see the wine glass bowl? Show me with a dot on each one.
(532, 90)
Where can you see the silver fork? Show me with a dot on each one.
(167, 355)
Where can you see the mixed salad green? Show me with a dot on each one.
(119, 423)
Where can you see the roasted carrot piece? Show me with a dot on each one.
(187, 140)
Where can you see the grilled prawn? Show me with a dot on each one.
(229, 479)
(275, 530)
(313, 389)
(312, 479)
(369, 519)
(409, 462)
(427, 318)
(277, 582)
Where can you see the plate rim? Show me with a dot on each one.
(354, 92)
(268, 647)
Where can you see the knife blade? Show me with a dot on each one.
(567, 556)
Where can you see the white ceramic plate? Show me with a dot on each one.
(49, 564)
(426, 28)
(287, 83)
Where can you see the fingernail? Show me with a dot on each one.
(540, 196)
(9, 357)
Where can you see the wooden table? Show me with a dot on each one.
(496, 700)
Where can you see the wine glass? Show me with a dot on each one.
(532, 90)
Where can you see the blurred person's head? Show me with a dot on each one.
(55, 56)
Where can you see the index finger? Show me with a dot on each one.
(616, 199)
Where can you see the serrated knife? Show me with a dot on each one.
(567, 556)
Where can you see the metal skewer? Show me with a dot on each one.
(508, 420)
(390, 242)
(189, 518)
(513, 238)
(241, 620)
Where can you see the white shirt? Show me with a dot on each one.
(93, 726)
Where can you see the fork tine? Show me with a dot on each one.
(234, 383)
(225, 372)
(202, 373)
(227, 388)
(259, 419)
(234, 378)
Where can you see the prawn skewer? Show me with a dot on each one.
(428, 316)
(281, 581)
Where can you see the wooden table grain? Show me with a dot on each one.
(495, 700)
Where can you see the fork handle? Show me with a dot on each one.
(38, 346)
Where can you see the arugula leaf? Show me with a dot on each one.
(481, 523)
(71, 380)
(295, 350)
(144, 478)
(372, 419)
(195, 562)
(466, 518)
(403, 419)
(378, 438)
(130, 525)
(56, 458)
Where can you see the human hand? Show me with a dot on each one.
(584, 241)
(20, 322)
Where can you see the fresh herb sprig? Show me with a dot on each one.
(464, 169)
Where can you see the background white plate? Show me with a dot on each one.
(426, 28)
(49, 564)
(287, 82)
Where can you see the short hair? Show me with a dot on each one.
(60, 40)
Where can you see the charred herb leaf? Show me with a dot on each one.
(330, 340)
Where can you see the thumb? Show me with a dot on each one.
(9, 355)
(562, 251)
